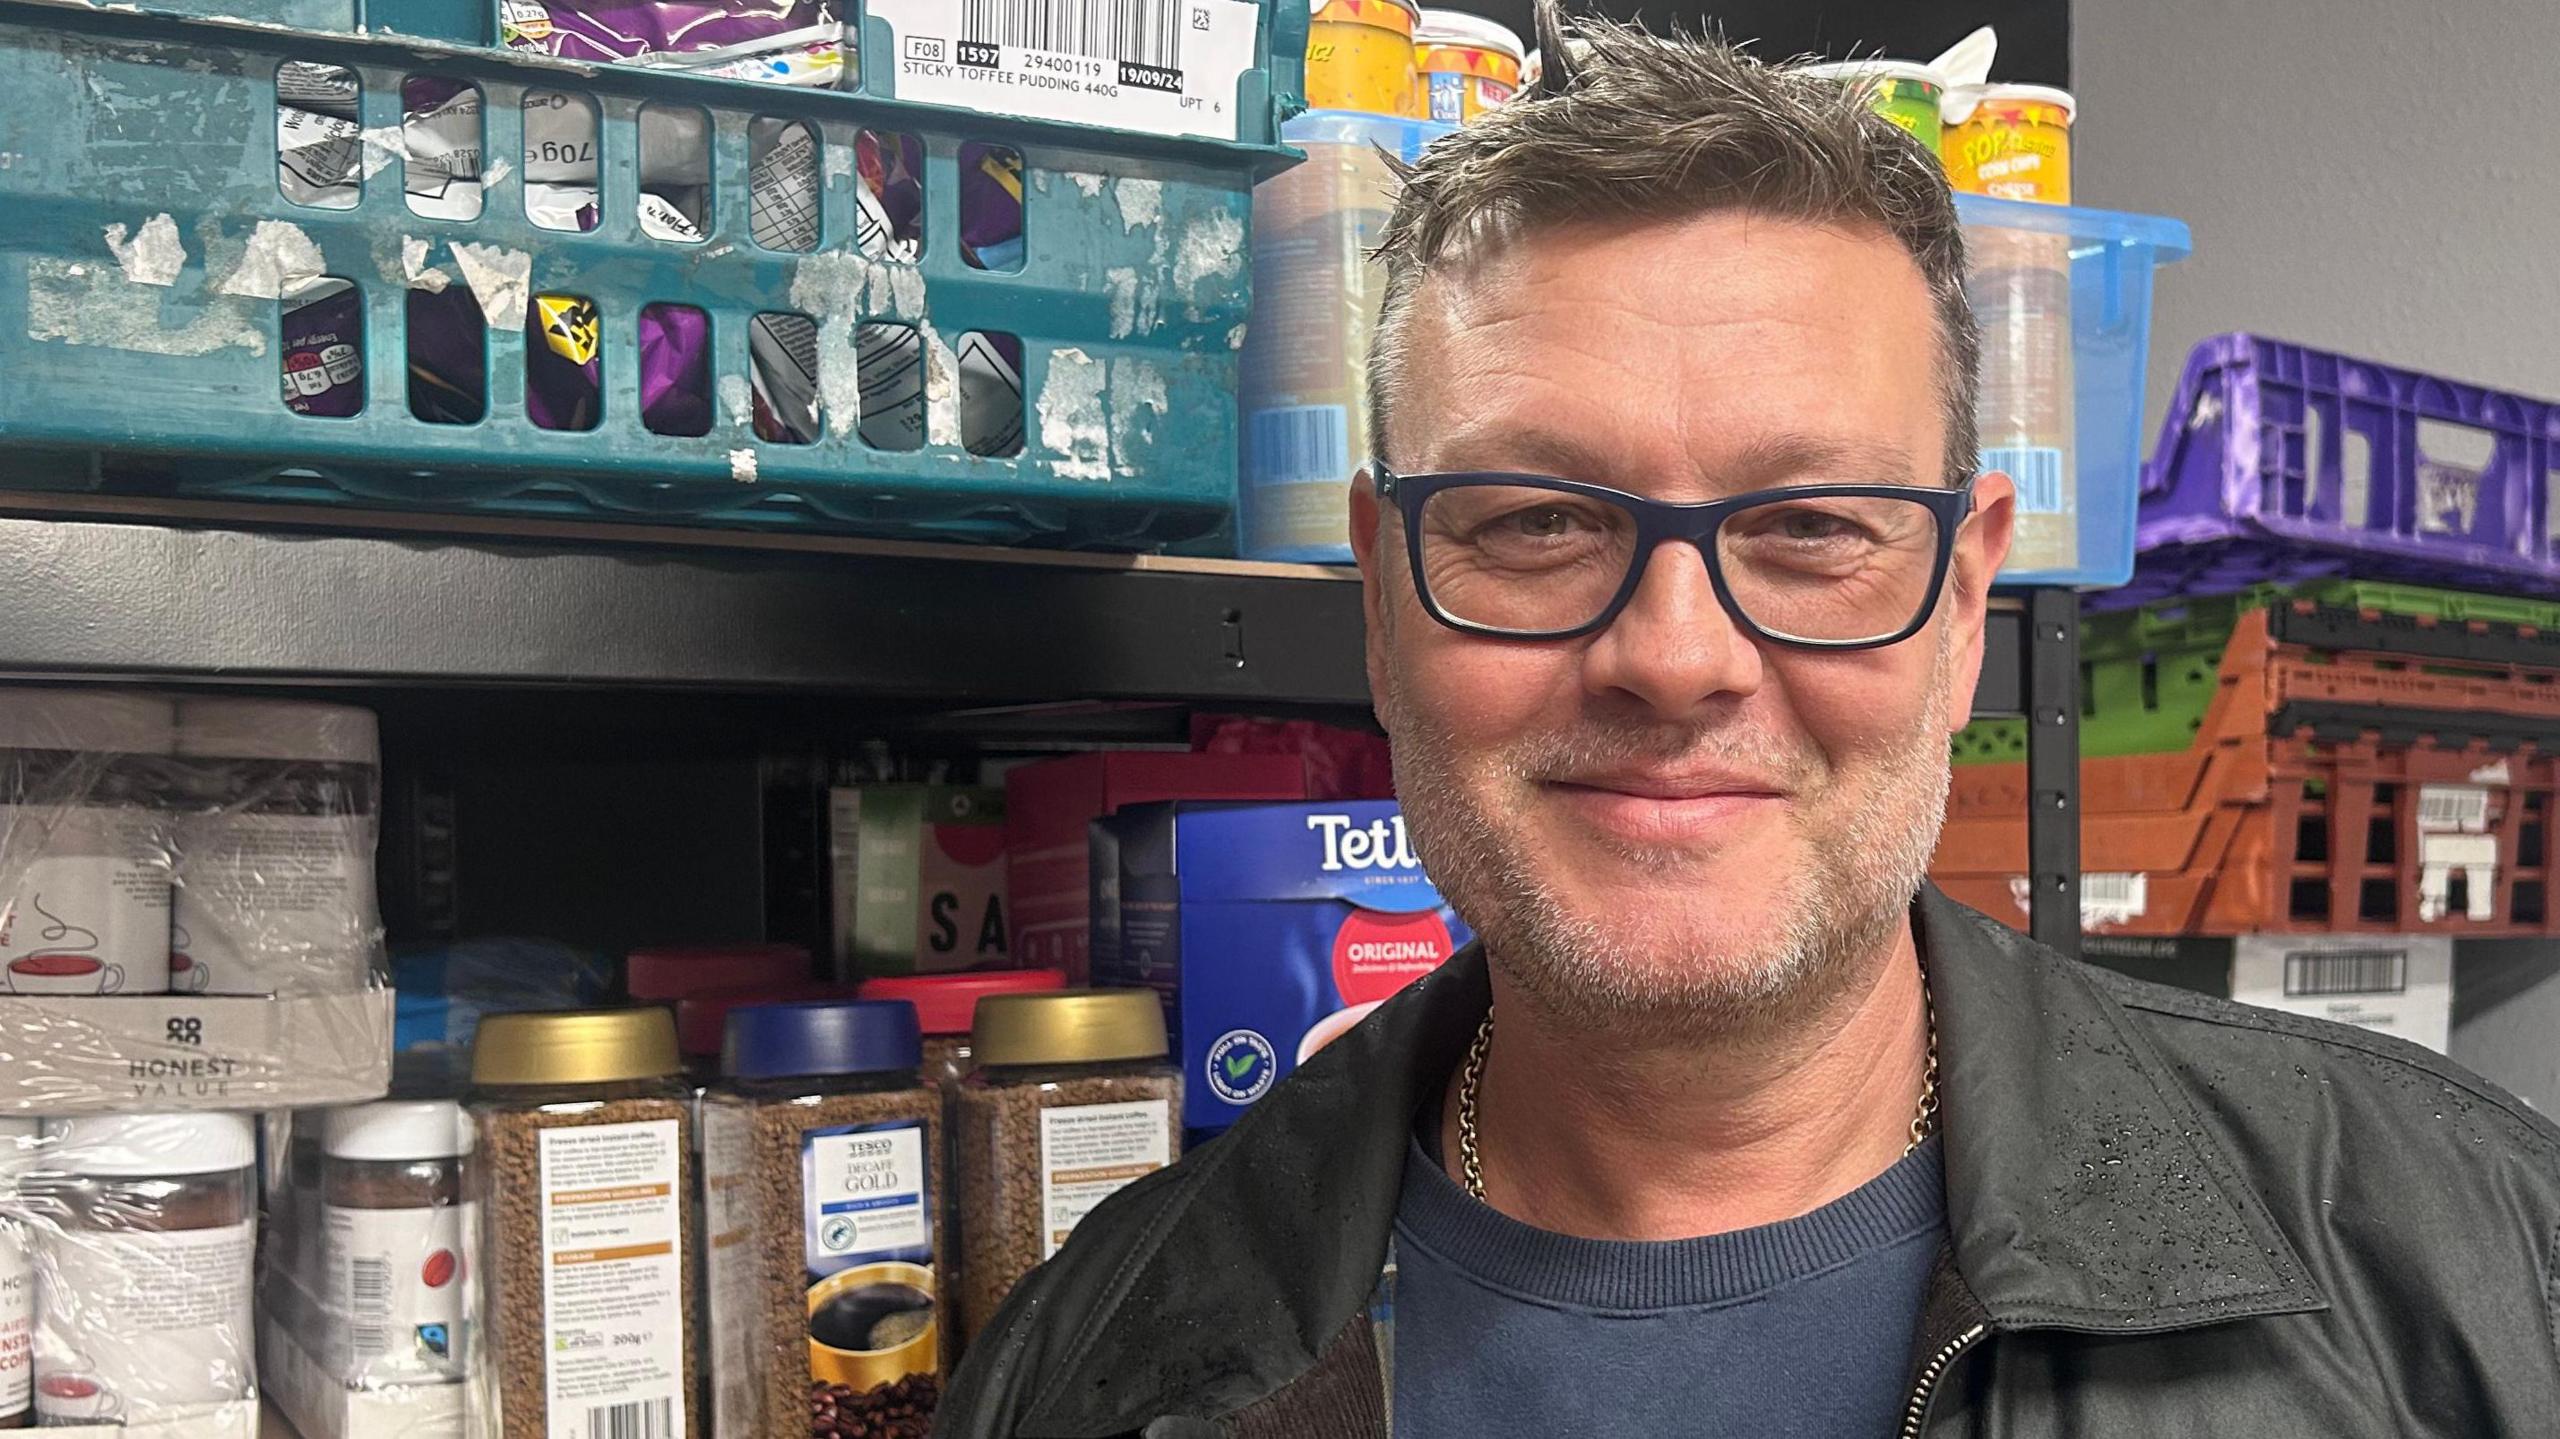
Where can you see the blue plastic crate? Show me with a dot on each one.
(2112, 257)
(148, 239)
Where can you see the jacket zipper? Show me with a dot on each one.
(1926, 1388)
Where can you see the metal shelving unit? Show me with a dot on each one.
(207, 593)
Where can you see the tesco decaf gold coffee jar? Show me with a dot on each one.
(1072, 1100)
(823, 1152)
(583, 1181)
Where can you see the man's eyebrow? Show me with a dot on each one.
(1765, 463)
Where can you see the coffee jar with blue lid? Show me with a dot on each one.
(824, 1169)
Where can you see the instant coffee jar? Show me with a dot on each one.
(1071, 1100)
(583, 1179)
(392, 1222)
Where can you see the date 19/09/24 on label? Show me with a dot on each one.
(1167, 67)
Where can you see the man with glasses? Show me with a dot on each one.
(1676, 563)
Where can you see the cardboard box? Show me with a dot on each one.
(1269, 930)
(320, 1407)
(919, 879)
(2400, 984)
(78, 1054)
(1047, 850)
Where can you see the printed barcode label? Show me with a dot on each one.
(369, 1306)
(2112, 898)
(649, 1419)
(2352, 971)
(1136, 30)
(2037, 469)
(2452, 809)
(1298, 445)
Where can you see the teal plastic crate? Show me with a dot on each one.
(148, 239)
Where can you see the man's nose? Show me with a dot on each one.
(1673, 647)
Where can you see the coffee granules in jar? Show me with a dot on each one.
(143, 1269)
(1071, 1101)
(392, 1220)
(583, 1181)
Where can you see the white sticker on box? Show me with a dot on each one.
(2397, 984)
(2452, 809)
(2107, 899)
(1089, 1152)
(613, 1279)
(1167, 67)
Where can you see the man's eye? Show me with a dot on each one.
(1814, 525)
(1541, 524)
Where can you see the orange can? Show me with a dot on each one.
(1360, 57)
(1466, 63)
(2011, 142)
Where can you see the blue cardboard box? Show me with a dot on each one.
(1268, 929)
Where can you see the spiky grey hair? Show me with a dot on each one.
(1623, 125)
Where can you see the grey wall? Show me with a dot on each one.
(2362, 175)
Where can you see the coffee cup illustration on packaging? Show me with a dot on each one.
(60, 959)
(186, 976)
(76, 1396)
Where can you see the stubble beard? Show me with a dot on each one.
(1836, 914)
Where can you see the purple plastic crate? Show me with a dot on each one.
(2278, 463)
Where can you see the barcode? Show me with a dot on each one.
(369, 1306)
(1138, 30)
(2356, 971)
(647, 1419)
(1298, 445)
(2037, 469)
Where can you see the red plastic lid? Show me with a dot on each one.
(703, 1017)
(667, 973)
(947, 1003)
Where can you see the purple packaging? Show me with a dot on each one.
(1269, 930)
(324, 350)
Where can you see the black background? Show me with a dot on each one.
(2035, 35)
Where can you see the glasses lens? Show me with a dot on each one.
(1516, 557)
(1832, 568)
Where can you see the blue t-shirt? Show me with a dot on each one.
(1795, 1330)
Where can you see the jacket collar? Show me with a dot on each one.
(2085, 1190)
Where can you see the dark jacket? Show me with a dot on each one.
(2169, 1215)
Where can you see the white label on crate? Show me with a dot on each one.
(394, 1294)
(613, 1280)
(2452, 809)
(2495, 772)
(2473, 857)
(84, 902)
(2398, 984)
(2448, 499)
(132, 1324)
(1167, 67)
(1088, 1152)
(17, 1319)
(2107, 899)
(731, 1255)
(273, 904)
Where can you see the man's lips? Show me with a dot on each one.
(1665, 808)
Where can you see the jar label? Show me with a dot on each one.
(1088, 1152)
(131, 1324)
(730, 1267)
(273, 904)
(88, 912)
(395, 1285)
(613, 1279)
(866, 1237)
(17, 1320)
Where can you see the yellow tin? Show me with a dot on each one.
(2011, 142)
(1466, 63)
(1360, 56)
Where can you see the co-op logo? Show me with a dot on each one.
(1381, 844)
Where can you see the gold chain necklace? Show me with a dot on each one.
(1924, 1120)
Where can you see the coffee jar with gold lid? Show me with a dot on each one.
(583, 1173)
(1072, 1101)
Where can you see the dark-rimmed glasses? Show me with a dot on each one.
(1835, 567)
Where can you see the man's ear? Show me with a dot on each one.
(1982, 545)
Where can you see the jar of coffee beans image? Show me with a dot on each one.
(582, 1184)
(1072, 1099)
(822, 1160)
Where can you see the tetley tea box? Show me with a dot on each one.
(1269, 930)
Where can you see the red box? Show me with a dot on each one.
(1046, 808)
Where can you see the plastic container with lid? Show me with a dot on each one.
(1072, 1100)
(947, 1005)
(1465, 65)
(84, 824)
(584, 1158)
(149, 1229)
(393, 1224)
(1360, 56)
(823, 1162)
(1904, 91)
(663, 974)
(2010, 142)
(702, 1017)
